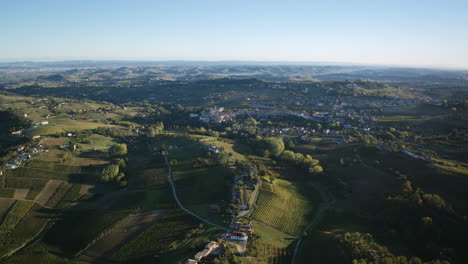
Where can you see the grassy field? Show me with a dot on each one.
(61, 124)
(38, 253)
(259, 251)
(281, 206)
(58, 195)
(35, 185)
(272, 236)
(202, 185)
(72, 194)
(27, 228)
(97, 142)
(7, 193)
(428, 177)
(322, 243)
(27, 172)
(17, 212)
(226, 144)
(174, 238)
(80, 228)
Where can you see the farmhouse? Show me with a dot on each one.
(17, 132)
(36, 137)
(209, 248)
(243, 228)
(213, 149)
(212, 246)
(239, 236)
(190, 261)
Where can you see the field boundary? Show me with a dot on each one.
(174, 193)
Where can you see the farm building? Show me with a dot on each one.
(205, 252)
(239, 236)
(190, 261)
(212, 245)
(244, 228)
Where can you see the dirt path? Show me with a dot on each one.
(48, 190)
(21, 193)
(128, 229)
(327, 202)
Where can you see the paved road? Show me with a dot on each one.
(180, 204)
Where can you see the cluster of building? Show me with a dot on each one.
(239, 232)
(297, 131)
(210, 248)
(215, 115)
(24, 154)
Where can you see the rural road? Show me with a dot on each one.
(180, 204)
(328, 201)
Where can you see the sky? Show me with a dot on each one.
(397, 32)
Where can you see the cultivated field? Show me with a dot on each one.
(281, 207)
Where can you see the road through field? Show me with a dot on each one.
(129, 228)
(180, 204)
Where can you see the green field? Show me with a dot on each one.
(27, 172)
(172, 239)
(322, 243)
(57, 197)
(272, 236)
(61, 124)
(17, 212)
(26, 229)
(35, 185)
(80, 228)
(7, 193)
(281, 206)
(267, 253)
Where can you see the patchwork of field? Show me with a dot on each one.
(175, 228)
(279, 205)
(126, 230)
(48, 190)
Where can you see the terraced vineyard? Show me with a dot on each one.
(282, 209)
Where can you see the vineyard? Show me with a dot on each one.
(282, 209)
(268, 253)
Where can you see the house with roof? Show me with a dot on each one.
(239, 236)
(244, 228)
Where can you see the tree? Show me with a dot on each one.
(272, 178)
(317, 169)
(156, 129)
(118, 150)
(109, 173)
(271, 146)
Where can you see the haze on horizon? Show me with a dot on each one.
(413, 33)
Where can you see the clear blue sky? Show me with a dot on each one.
(404, 32)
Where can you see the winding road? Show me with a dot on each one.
(180, 204)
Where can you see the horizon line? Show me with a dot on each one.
(276, 62)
